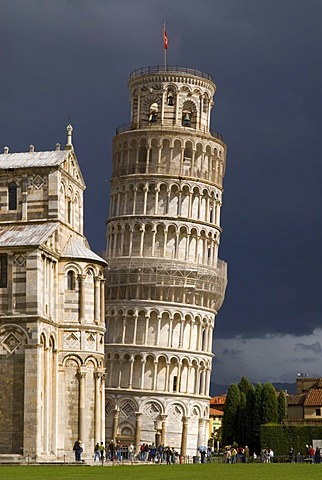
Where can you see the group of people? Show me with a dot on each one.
(112, 451)
(160, 454)
(238, 454)
(314, 454)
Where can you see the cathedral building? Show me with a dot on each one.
(165, 282)
(52, 371)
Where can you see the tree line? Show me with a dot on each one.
(247, 408)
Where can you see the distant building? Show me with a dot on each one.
(306, 405)
(52, 371)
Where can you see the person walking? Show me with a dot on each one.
(97, 452)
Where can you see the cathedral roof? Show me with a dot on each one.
(74, 249)
(26, 235)
(33, 159)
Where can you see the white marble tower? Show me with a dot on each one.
(165, 283)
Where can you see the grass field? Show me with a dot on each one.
(163, 472)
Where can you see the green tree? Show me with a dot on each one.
(269, 404)
(244, 385)
(257, 418)
(246, 429)
(241, 411)
(249, 417)
(281, 406)
(230, 418)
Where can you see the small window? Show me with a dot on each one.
(70, 280)
(318, 412)
(175, 382)
(12, 195)
(3, 271)
(69, 210)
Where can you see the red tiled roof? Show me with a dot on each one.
(314, 397)
(216, 413)
(219, 399)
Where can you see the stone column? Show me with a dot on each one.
(131, 372)
(103, 377)
(116, 417)
(201, 425)
(81, 298)
(184, 435)
(163, 429)
(97, 299)
(102, 301)
(138, 427)
(81, 374)
(142, 373)
(97, 412)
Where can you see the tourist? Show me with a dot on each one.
(78, 449)
(97, 452)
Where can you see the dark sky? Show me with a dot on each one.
(70, 60)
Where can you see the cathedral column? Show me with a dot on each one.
(116, 417)
(131, 241)
(102, 301)
(135, 316)
(123, 330)
(97, 299)
(165, 242)
(54, 419)
(138, 427)
(119, 380)
(97, 412)
(184, 435)
(134, 200)
(131, 371)
(46, 401)
(158, 330)
(81, 404)
(103, 377)
(142, 230)
(193, 160)
(181, 333)
(82, 304)
(157, 190)
(210, 334)
(170, 333)
(154, 232)
(207, 382)
(142, 373)
(154, 381)
(145, 190)
(146, 335)
(167, 376)
(163, 428)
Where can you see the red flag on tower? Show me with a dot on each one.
(165, 38)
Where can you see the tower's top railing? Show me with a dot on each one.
(171, 69)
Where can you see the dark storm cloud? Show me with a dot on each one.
(70, 59)
(232, 352)
(314, 347)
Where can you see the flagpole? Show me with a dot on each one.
(165, 45)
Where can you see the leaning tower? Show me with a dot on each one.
(165, 283)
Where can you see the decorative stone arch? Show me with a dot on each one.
(90, 359)
(152, 407)
(189, 113)
(72, 359)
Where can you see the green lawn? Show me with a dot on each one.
(163, 472)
